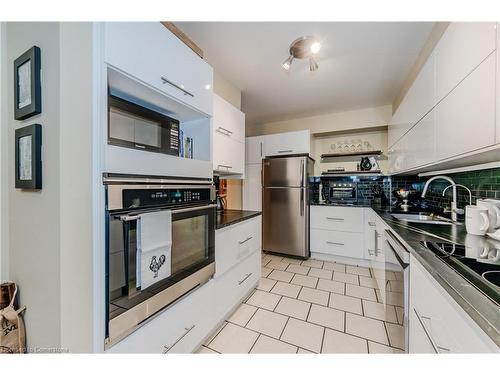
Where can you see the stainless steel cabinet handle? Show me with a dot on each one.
(245, 278)
(140, 146)
(335, 243)
(245, 240)
(261, 149)
(224, 166)
(283, 151)
(435, 346)
(224, 131)
(371, 223)
(167, 348)
(335, 218)
(185, 92)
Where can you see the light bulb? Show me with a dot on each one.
(287, 63)
(315, 47)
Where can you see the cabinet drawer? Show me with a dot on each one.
(447, 324)
(148, 51)
(179, 329)
(337, 243)
(235, 284)
(348, 219)
(236, 242)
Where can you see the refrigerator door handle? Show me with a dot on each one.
(301, 202)
(302, 173)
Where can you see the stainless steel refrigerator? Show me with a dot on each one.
(285, 205)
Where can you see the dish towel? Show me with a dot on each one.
(154, 245)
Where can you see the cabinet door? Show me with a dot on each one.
(152, 54)
(421, 142)
(228, 119)
(228, 155)
(254, 149)
(252, 187)
(465, 119)
(419, 341)
(288, 143)
(461, 49)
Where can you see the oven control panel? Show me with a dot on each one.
(133, 198)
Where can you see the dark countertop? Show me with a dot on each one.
(484, 311)
(226, 218)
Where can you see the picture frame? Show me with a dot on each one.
(27, 84)
(28, 157)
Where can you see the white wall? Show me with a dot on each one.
(34, 250)
(50, 232)
(4, 223)
(332, 122)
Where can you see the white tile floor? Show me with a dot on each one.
(311, 306)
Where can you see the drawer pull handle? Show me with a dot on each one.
(283, 151)
(167, 348)
(371, 223)
(224, 131)
(245, 278)
(435, 346)
(246, 240)
(224, 166)
(185, 92)
(335, 218)
(335, 243)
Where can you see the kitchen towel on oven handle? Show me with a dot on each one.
(154, 246)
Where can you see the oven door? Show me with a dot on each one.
(192, 264)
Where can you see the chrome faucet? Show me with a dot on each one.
(454, 210)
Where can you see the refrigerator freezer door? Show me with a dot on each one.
(286, 221)
(289, 171)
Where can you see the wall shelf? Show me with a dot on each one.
(351, 156)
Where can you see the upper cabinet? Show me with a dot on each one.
(450, 109)
(229, 138)
(254, 148)
(461, 49)
(290, 143)
(153, 55)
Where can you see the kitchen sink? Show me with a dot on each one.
(423, 218)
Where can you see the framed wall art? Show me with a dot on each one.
(27, 84)
(29, 157)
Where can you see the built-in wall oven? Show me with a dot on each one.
(191, 204)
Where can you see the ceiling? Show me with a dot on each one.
(361, 64)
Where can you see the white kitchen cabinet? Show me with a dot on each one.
(228, 156)
(252, 187)
(419, 100)
(236, 242)
(228, 120)
(229, 138)
(437, 323)
(337, 231)
(465, 119)
(153, 55)
(463, 46)
(254, 149)
(419, 146)
(236, 284)
(290, 143)
(181, 328)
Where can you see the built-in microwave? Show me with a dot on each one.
(134, 126)
(191, 258)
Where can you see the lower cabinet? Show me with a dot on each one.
(178, 329)
(337, 231)
(437, 323)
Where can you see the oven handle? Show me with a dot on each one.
(180, 210)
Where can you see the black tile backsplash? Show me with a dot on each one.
(482, 183)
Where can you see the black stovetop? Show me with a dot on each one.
(482, 270)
